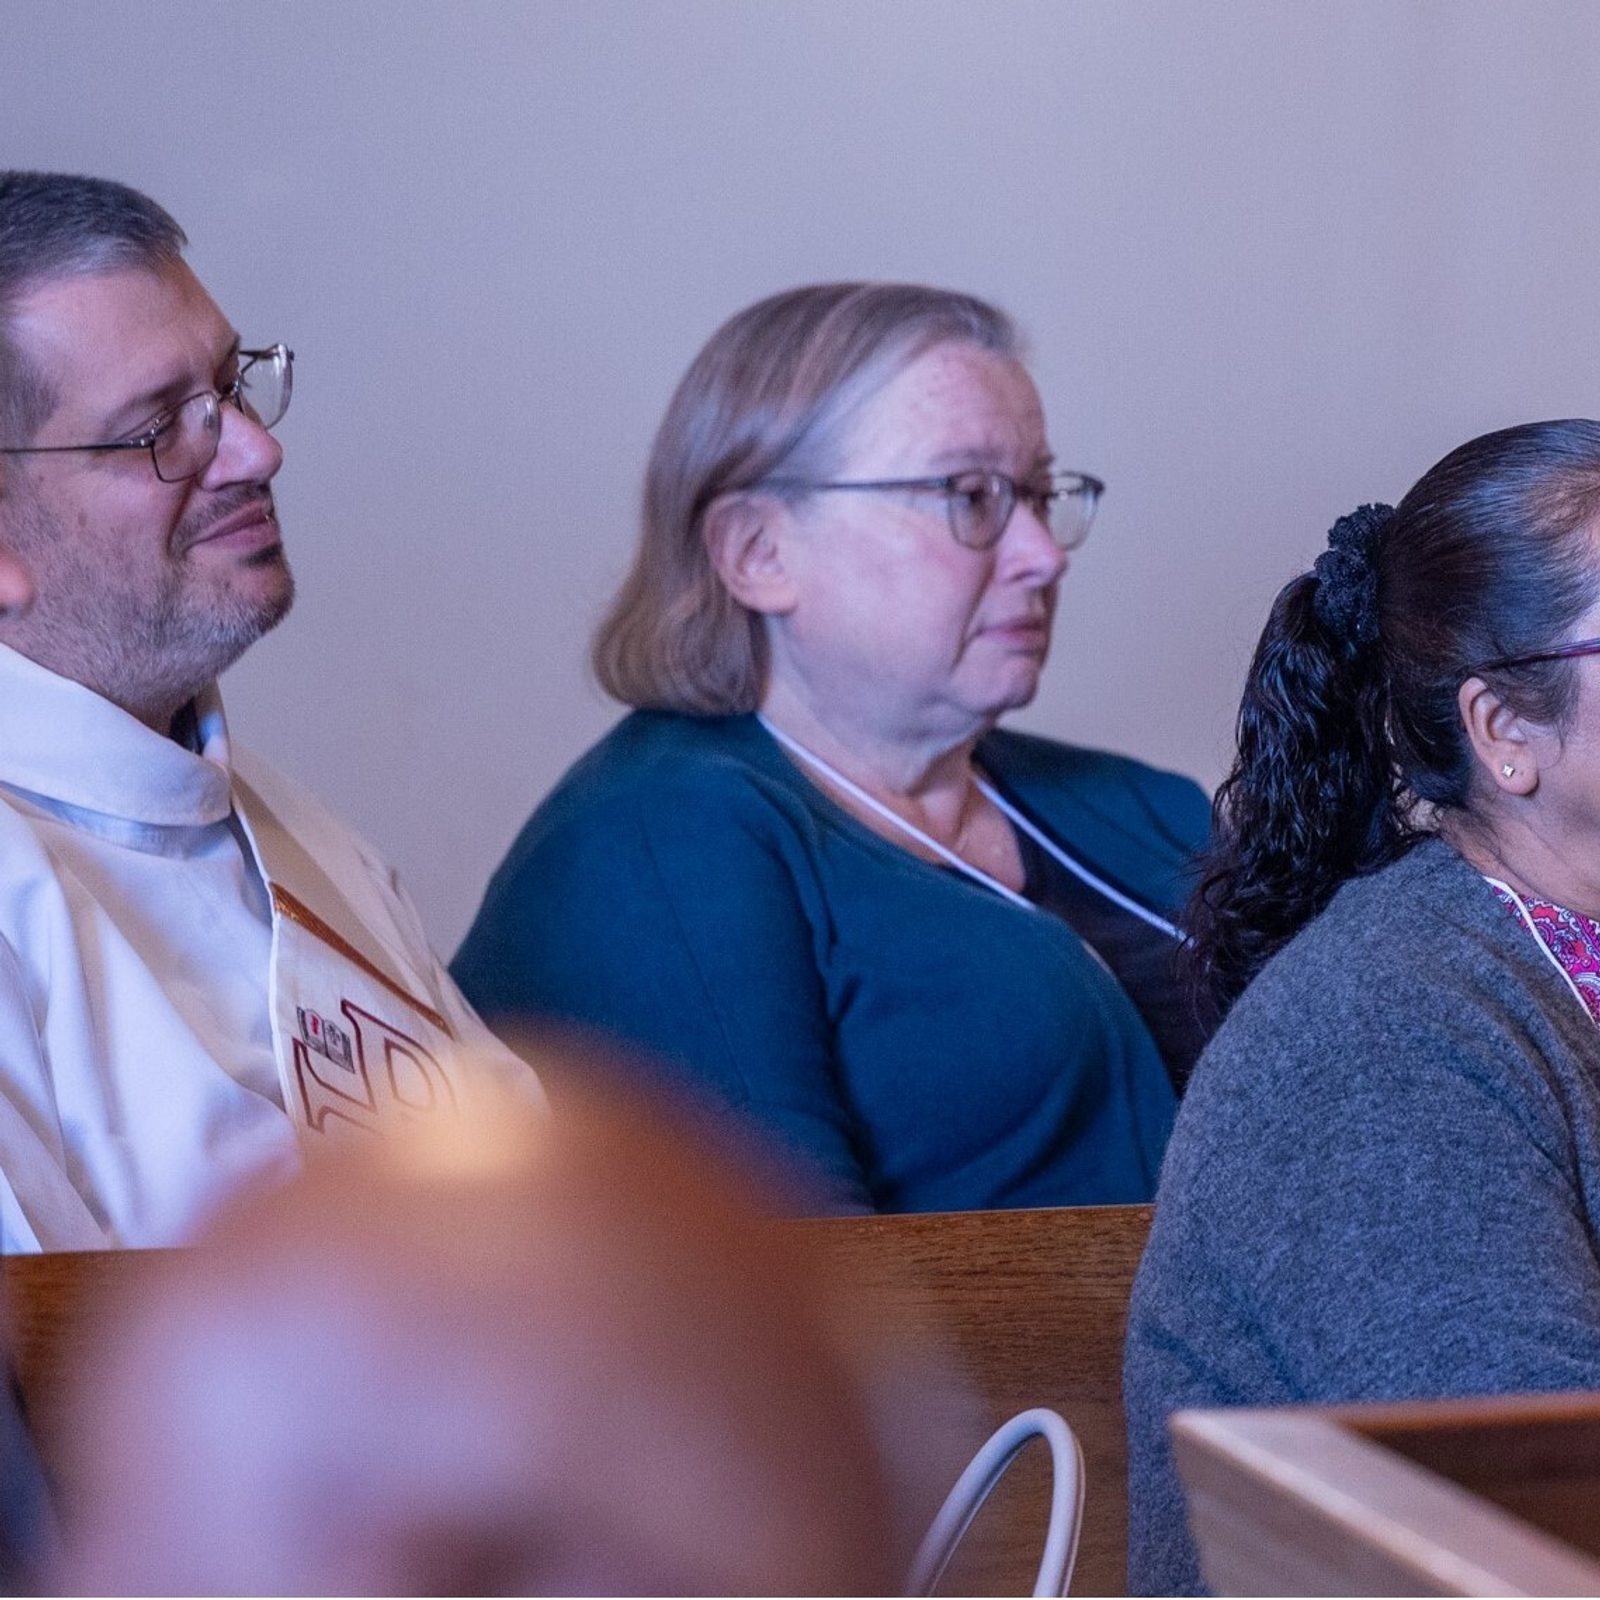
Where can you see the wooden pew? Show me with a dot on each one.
(1441, 1497)
(45, 1299)
(1034, 1304)
(1031, 1303)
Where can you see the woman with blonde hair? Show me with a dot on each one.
(808, 877)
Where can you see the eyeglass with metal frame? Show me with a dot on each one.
(979, 503)
(1565, 652)
(183, 440)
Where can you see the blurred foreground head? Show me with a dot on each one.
(562, 1357)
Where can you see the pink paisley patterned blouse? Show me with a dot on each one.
(1571, 938)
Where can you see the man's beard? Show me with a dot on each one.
(201, 643)
(151, 643)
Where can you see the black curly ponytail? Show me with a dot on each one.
(1350, 738)
(1312, 798)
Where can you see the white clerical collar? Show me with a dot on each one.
(63, 741)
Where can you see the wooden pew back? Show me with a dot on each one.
(1032, 1305)
(47, 1302)
(1438, 1497)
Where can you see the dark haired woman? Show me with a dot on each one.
(1385, 1179)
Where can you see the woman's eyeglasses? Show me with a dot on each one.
(979, 503)
(1565, 652)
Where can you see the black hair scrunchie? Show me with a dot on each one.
(1346, 601)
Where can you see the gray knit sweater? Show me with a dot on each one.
(1384, 1183)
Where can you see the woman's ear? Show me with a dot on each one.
(1509, 749)
(745, 539)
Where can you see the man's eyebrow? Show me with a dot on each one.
(149, 401)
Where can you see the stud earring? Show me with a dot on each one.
(1508, 771)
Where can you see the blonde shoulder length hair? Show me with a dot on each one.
(774, 390)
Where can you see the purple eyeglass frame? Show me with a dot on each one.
(1583, 647)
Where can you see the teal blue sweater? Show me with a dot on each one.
(917, 1042)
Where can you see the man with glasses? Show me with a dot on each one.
(201, 971)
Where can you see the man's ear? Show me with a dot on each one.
(746, 539)
(16, 584)
(16, 588)
(1509, 749)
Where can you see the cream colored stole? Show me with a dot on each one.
(357, 1045)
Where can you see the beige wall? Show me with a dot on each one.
(1275, 258)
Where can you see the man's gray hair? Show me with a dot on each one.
(57, 225)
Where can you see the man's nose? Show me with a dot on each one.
(246, 452)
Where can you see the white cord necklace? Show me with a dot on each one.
(1077, 868)
(960, 863)
(893, 818)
